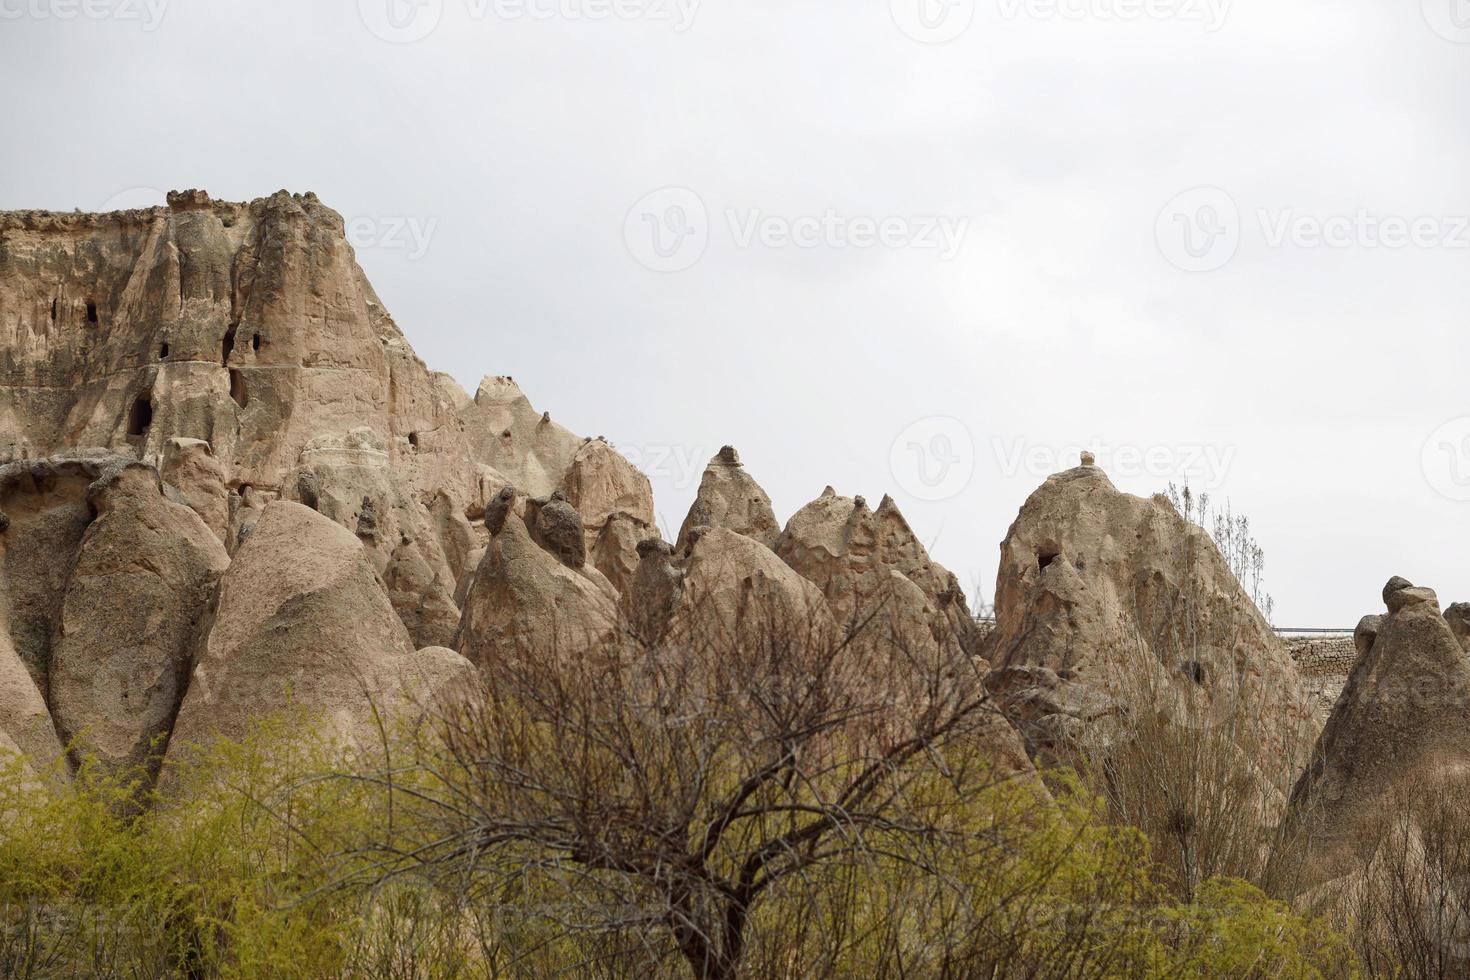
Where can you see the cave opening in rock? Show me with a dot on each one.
(140, 416)
(163, 352)
(91, 311)
(53, 310)
(1045, 558)
(413, 439)
(237, 387)
(227, 346)
(255, 342)
(1195, 671)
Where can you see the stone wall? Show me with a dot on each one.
(1324, 662)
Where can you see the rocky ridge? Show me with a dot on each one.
(228, 487)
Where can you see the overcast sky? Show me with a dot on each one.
(926, 247)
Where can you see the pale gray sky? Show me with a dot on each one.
(1193, 234)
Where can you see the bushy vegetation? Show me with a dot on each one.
(258, 870)
(777, 805)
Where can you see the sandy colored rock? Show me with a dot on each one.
(616, 504)
(614, 553)
(653, 594)
(732, 581)
(853, 553)
(524, 602)
(557, 526)
(1401, 725)
(1104, 599)
(600, 482)
(46, 503)
(1458, 616)
(250, 327)
(190, 466)
(143, 579)
(25, 722)
(421, 597)
(730, 498)
(524, 445)
(303, 623)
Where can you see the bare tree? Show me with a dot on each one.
(1231, 533)
(1410, 905)
(662, 793)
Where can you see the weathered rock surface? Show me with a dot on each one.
(864, 560)
(616, 504)
(557, 526)
(1401, 726)
(250, 328)
(653, 596)
(303, 624)
(523, 601)
(1104, 599)
(25, 722)
(143, 579)
(529, 450)
(190, 467)
(730, 498)
(600, 482)
(733, 582)
(45, 503)
(421, 597)
(615, 554)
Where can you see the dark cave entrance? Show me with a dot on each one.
(140, 416)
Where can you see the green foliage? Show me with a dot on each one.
(264, 860)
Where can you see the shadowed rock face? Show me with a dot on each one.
(25, 722)
(1401, 725)
(1102, 597)
(526, 601)
(240, 348)
(303, 622)
(144, 575)
(326, 504)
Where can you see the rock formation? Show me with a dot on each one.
(189, 466)
(228, 488)
(304, 624)
(869, 563)
(728, 497)
(1107, 603)
(25, 722)
(240, 348)
(733, 582)
(525, 600)
(144, 575)
(1401, 725)
(616, 505)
